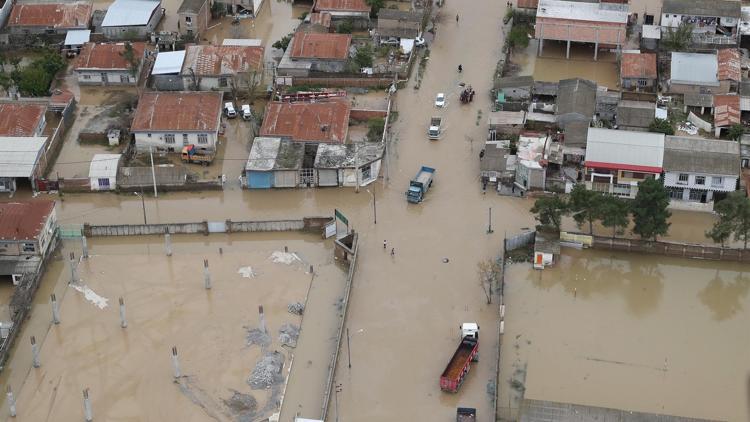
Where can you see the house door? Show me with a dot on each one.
(104, 78)
(648, 19)
(124, 79)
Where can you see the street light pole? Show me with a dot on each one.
(348, 348)
(338, 390)
(489, 227)
(374, 204)
(143, 205)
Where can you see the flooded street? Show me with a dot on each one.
(628, 331)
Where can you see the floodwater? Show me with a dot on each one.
(167, 305)
(642, 333)
(552, 66)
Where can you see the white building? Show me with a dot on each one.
(700, 171)
(131, 19)
(167, 121)
(24, 159)
(103, 171)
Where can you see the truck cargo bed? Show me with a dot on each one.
(456, 365)
(423, 177)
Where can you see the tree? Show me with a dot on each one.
(218, 10)
(375, 6)
(283, 43)
(345, 27)
(33, 81)
(129, 55)
(15, 61)
(518, 38)
(661, 126)
(678, 39)
(734, 217)
(363, 58)
(489, 271)
(736, 132)
(585, 205)
(649, 209)
(375, 126)
(549, 212)
(614, 214)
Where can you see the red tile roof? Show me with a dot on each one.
(527, 4)
(638, 65)
(726, 110)
(211, 60)
(342, 6)
(24, 220)
(106, 56)
(311, 122)
(729, 65)
(178, 111)
(55, 15)
(321, 46)
(17, 119)
(323, 19)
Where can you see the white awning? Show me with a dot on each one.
(77, 37)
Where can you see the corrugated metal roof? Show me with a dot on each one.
(107, 56)
(20, 119)
(19, 155)
(625, 147)
(168, 62)
(320, 46)
(244, 42)
(77, 36)
(580, 11)
(699, 155)
(104, 165)
(342, 6)
(263, 154)
(326, 121)
(130, 12)
(729, 65)
(215, 60)
(638, 65)
(24, 220)
(52, 15)
(710, 8)
(191, 111)
(694, 69)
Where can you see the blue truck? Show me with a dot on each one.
(420, 184)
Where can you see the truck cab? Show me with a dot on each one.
(470, 329)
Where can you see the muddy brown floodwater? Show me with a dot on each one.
(129, 370)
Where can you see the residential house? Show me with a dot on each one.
(726, 112)
(645, 12)
(105, 64)
(24, 160)
(513, 93)
(606, 104)
(22, 119)
(493, 165)
(313, 52)
(617, 160)
(103, 171)
(650, 37)
(244, 7)
(318, 22)
(702, 101)
(131, 19)
(701, 73)
(638, 72)
(318, 122)
(274, 163)
(506, 122)
(700, 170)
(358, 11)
(166, 121)
(399, 23)
(531, 160)
(714, 22)
(212, 67)
(348, 165)
(601, 23)
(193, 17)
(635, 115)
(49, 18)
(27, 228)
(575, 107)
(165, 74)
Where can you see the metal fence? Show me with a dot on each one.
(518, 241)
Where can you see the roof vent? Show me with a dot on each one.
(323, 128)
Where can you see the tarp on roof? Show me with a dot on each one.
(168, 62)
(130, 12)
(77, 37)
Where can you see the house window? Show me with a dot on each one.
(717, 181)
(202, 138)
(149, 135)
(696, 195)
(642, 82)
(87, 77)
(223, 82)
(169, 138)
(29, 247)
(188, 20)
(185, 139)
(124, 79)
(103, 182)
(683, 178)
(675, 193)
(700, 180)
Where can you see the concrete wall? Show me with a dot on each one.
(167, 82)
(314, 224)
(728, 183)
(95, 184)
(579, 31)
(38, 30)
(632, 83)
(106, 77)
(723, 88)
(343, 82)
(364, 115)
(157, 140)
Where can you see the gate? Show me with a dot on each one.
(70, 231)
(307, 177)
(45, 185)
(217, 227)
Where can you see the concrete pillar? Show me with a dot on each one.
(87, 412)
(175, 363)
(168, 242)
(35, 353)
(123, 320)
(567, 51)
(596, 51)
(73, 268)
(262, 317)
(55, 309)
(85, 245)
(11, 402)
(206, 275)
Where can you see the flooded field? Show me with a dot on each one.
(628, 331)
(216, 331)
(552, 66)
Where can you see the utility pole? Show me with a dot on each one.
(348, 348)
(374, 204)
(143, 205)
(489, 227)
(153, 172)
(338, 390)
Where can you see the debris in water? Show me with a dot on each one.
(287, 258)
(247, 272)
(256, 337)
(241, 403)
(446, 260)
(288, 335)
(296, 308)
(267, 371)
(90, 295)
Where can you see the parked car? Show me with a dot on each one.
(390, 41)
(440, 100)
(247, 114)
(419, 41)
(244, 13)
(229, 110)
